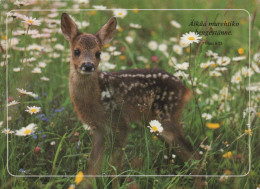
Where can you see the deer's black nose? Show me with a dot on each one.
(87, 67)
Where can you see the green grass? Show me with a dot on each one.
(144, 154)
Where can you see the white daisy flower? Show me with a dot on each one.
(121, 13)
(223, 61)
(42, 64)
(153, 45)
(28, 130)
(162, 47)
(215, 73)
(45, 78)
(14, 102)
(24, 92)
(205, 65)
(129, 39)
(116, 53)
(1, 123)
(7, 131)
(142, 59)
(256, 57)
(247, 72)
(215, 97)
(181, 74)
(33, 109)
(155, 126)
(183, 66)
(206, 116)
(237, 78)
(36, 70)
(106, 66)
(111, 48)
(18, 69)
(175, 24)
(52, 143)
(177, 49)
(255, 67)
(173, 39)
(211, 54)
(191, 37)
(172, 61)
(136, 26)
(59, 47)
(86, 127)
(31, 21)
(105, 56)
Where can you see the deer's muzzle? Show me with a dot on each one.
(87, 68)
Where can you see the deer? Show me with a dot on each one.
(112, 100)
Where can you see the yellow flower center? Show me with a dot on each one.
(27, 131)
(122, 57)
(135, 10)
(30, 21)
(120, 13)
(4, 37)
(79, 177)
(191, 38)
(212, 125)
(92, 13)
(241, 51)
(238, 78)
(34, 110)
(154, 128)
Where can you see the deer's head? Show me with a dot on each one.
(86, 48)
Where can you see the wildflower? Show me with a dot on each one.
(136, 26)
(223, 61)
(72, 186)
(255, 67)
(239, 58)
(28, 130)
(162, 47)
(1, 123)
(121, 13)
(37, 150)
(215, 73)
(37, 70)
(105, 56)
(173, 39)
(33, 109)
(249, 131)
(173, 156)
(177, 49)
(227, 155)
(183, 66)
(7, 131)
(59, 47)
(129, 39)
(42, 64)
(247, 72)
(18, 69)
(175, 24)
(155, 126)
(212, 54)
(86, 127)
(116, 53)
(256, 57)
(207, 116)
(241, 51)
(190, 37)
(172, 61)
(135, 10)
(212, 125)
(153, 45)
(236, 78)
(181, 74)
(52, 143)
(31, 21)
(142, 59)
(79, 177)
(13, 103)
(122, 57)
(24, 92)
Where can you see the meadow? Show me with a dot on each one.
(43, 144)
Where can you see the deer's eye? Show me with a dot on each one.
(98, 55)
(77, 52)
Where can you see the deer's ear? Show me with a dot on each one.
(68, 27)
(106, 33)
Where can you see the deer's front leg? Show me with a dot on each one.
(120, 139)
(97, 151)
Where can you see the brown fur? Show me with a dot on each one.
(109, 102)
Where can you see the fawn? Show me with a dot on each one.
(102, 99)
